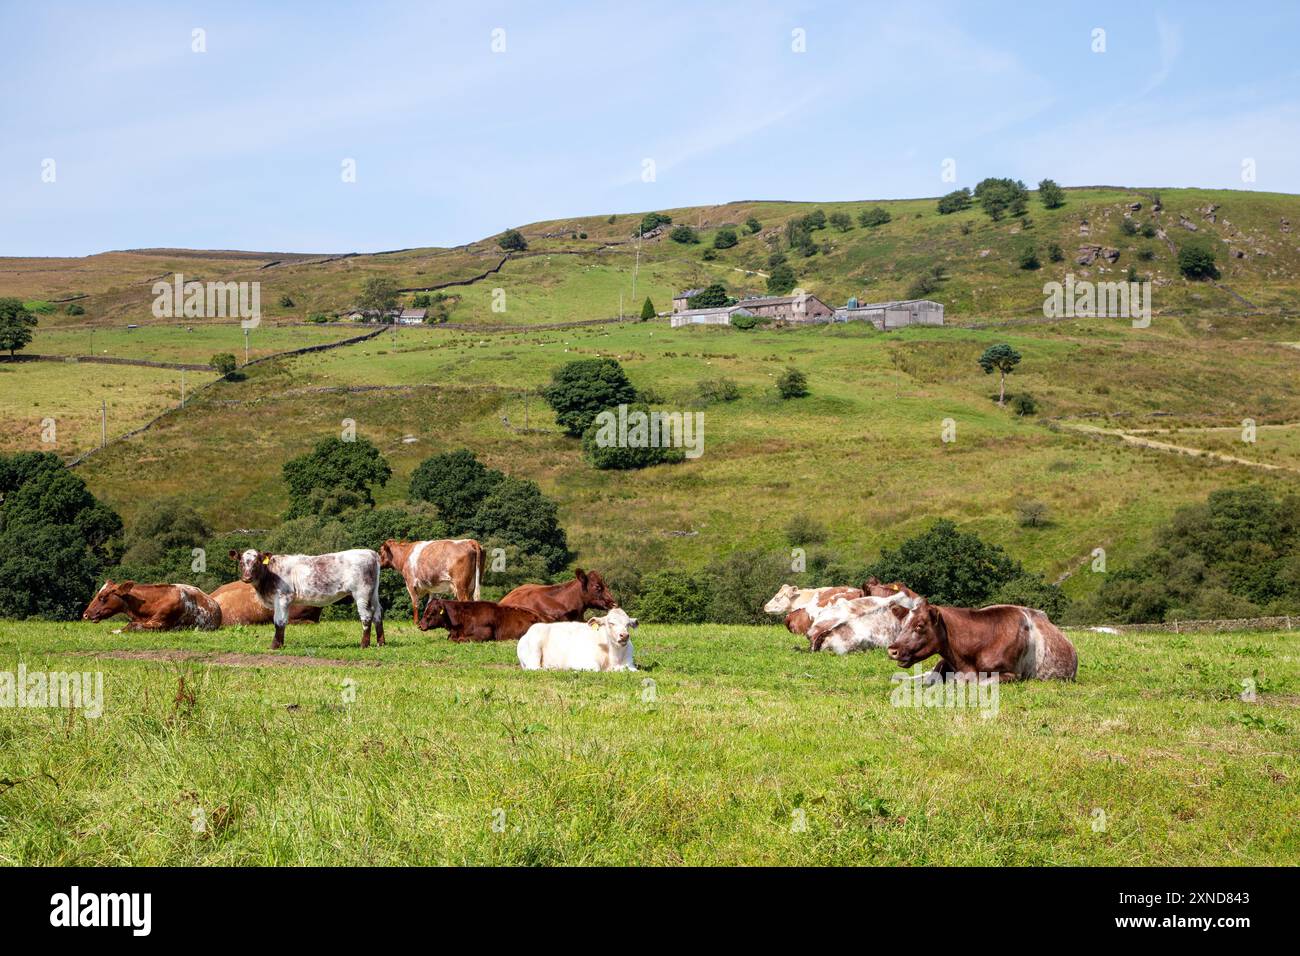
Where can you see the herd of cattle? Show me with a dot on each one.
(1005, 641)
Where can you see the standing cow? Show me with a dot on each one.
(428, 566)
(315, 580)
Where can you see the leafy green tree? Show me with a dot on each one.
(1031, 590)
(1002, 197)
(379, 293)
(162, 525)
(781, 280)
(517, 511)
(648, 310)
(456, 482)
(16, 324)
(1196, 261)
(725, 239)
(1003, 359)
(512, 240)
(672, 597)
(948, 566)
(955, 201)
(224, 363)
(792, 383)
(841, 221)
(653, 220)
(581, 389)
(712, 296)
(1027, 257)
(684, 234)
(613, 456)
(875, 216)
(1050, 194)
(334, 476)
(816, 219)
(753, 225)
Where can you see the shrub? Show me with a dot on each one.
(1146, 255)
(709, 254)
(223, 362)
(816, 219)
(580, 389)
(743, 321)
(803, 530)
(1024, 404)
(516, 511)
(955, 201)
(684, 235)
(1128, 227)
(653, 220)
(512, 240)
(875, 216)
(1027, 257)
(948, 566)
(318, 317)
(286, 301)
(602, 449)
(672, 597)
(713, 391)
(334, 476)
(1050, 194)
(163, 525)
(792, 384)
(1196, 261)
(841, 221)
(1055, 253)
(456, 483)
(753, 225)
(74, 309)
(1030, 590)
(922, 286)
(1148, 231)
(724, 239)
(1031, 514)
(781, 280)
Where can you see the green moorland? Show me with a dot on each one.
(729, 746)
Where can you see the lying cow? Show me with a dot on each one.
(428, 566)
(1005, 641)
(859, 624)
(876, 589)
(799, 605)
(314, 580)
(601, 644)
(477, 620)
(239, 605)
(155, 607)
(563, 602)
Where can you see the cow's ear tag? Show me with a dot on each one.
(895, 587)
(593, 623)
(267, 559)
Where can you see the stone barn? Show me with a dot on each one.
(789, 308)
(892, 315)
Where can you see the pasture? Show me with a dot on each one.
(729, 747)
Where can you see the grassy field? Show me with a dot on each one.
(729, 746)
(192, 344)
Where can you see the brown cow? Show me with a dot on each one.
(477, 620)
(239, 605)
(428, 566)
(800, 605)
(1004, 641)
(563, 602)
(876, 589)
(155, 607)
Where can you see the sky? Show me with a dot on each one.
(235, 126)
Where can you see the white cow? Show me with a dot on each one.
(858, 624)
(601, 644)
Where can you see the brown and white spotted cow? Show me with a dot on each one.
(314, 580)
(155, 607)
(428, 566)
(239, 605)
(800, 605)
(1005, 641)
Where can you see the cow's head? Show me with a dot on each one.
(388, 555)
(617, 625)
(783, 600)
(918, 633)
(435, 615)
(108, 601)
(594, 592)
(253, 564)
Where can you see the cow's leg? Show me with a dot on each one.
(415, 603)
(370, 612)
(365, 635)
(280, 617)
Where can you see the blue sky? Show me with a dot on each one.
(242, 146)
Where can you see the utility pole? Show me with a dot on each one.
(182, 388)
(620, 305)
(103, 423)
(245, 346)
(637, 267)
(525, 411)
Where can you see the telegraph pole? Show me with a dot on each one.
(245, 346)
(103, 423)
(182, 388)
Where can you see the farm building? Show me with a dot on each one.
(789, 308)
(892, 315)
(682, 300)
(719, 316)
(412, 316)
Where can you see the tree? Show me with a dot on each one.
(625, 456)
(1054, 252)
(1196, 261)
(582, 389)
(456, 482)
(162, 525)
(648, 310)
(673, 597)
(74, 309)
(334, 476)
(516, 511)
(1002, 197)
(948, 566)
(653, 220)
(725, 239)
(512, 240)
(379, 294)
(224, 363)
(1027, 257)
(841, 221)
(955, 201)
(286, 301)
(792, 384)
(684, 234)
(781, 280)
(710, 297)
(875, 216)
(16, 324)
(816, 219)
(753, 225)
(1003, 359)
(1050, 194)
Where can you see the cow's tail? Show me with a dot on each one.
(478, 569)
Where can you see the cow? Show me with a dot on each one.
(314, 580)
(799, 604)
(477, 620)
(239, 605)
(601, 644)
(873, 587)
(155, 607)
(428, 566)
(563, 602)
(858, 624)
(1006, 642)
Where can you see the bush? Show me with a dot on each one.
(648, 310)
(516, 511)
(1146, 255)
(334, 476)
(1055, 253)
(684, 235)
(741, 583)
(875, 216)
(815, 219)
(286, 301)
(512, 240)
(1030, 590)
(224, 363)
(455, 483)
(1027, 257)
(318, 317)
(718, 390)
(1023, 404)
(1050, 194)
(1148, 231)
(602, 449)
(1128, 227)
(1196, 261)
(753, 225)
(163, 525)
(781, 280)
(955, 201)
(581, 389)
(724, 239)
(652, 221)
(672, 597)
(709, 254)
(792, 384)
(1002, 197)
(1032, 514)
(922, 286)
(841, 221)
(948, 566)
(74, 309)
(803, 530)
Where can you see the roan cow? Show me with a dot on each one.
(155, 607)
(315, 580)
(799, 605)
(428, 566)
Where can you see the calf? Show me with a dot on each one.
(477, 620)
(314, 580)
(155, 607)
(428, 566)
(799, 605)
(1006, 641)
(859, 624)
(563, 602)
(239, 605)
(601, 644)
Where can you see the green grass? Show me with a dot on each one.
(742, 731)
